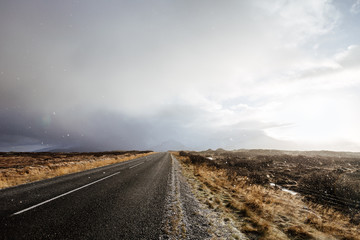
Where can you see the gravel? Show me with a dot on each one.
(187, 218)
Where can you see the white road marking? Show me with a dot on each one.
(74, 190)
(136, 165)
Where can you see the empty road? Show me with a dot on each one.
(120, 201)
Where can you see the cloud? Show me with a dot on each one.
(355, 8)
(300, 22)
(121, 75)
(319, 104)
(350, 57)
(106, 130)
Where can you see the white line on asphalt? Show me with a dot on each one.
(136, 165)
(76, 189)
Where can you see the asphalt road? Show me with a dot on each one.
(120, 201)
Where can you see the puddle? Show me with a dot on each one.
(284, 189)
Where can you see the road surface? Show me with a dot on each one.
(120, 201)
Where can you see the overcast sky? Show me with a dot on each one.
(111, 75)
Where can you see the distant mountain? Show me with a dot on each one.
(169, 145)
(46, 149)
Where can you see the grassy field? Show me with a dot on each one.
(20, 168)
(248, 187)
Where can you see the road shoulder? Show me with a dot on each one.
(187, 216)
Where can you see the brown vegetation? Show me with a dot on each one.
(20, 168)
(241, 189)
(328, 178)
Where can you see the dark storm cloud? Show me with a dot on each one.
(78, 130)
(98, 130)
(63, 65)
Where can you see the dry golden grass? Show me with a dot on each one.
(15, 176)
(266, 213)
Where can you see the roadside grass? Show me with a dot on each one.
(15, 176)
(265, 213)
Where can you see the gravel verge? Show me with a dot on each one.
(188, 218)
(183, 218)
